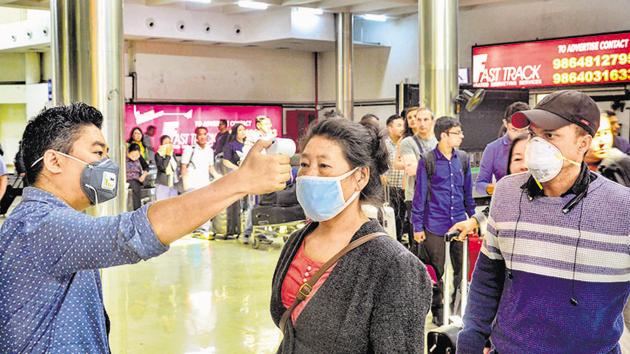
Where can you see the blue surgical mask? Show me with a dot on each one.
(322, 197)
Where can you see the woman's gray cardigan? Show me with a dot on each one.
(375, 300)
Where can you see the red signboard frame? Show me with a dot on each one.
(580, 62)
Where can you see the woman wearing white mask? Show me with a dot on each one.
(372, 298)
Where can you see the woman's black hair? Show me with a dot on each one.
(234, 132)
(163, 137)
(362, 145)
(130, 140)
(512, 144)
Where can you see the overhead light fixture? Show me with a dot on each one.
(201, 1)
(256, 5)
(309, 11)
(372, 17)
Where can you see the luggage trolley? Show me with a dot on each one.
(271, 222)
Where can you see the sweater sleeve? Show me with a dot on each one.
(484, 294)
(397, 323)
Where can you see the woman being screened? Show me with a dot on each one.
(375, 298)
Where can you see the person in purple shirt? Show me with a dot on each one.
(619, 142)
(51, 299)
(495, 156)
(442, 201)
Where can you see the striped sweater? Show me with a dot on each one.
(535, 260)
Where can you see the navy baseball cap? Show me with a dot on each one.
(559, 109)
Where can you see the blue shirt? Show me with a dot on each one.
(494, 161)
(233, 151)
(449, 199)
(50, 288)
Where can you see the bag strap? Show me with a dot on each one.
(307, 287)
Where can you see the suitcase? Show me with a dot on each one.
(14, 189)
(443, 339)
(474, 247)
(273, 215)
(219, 223)
(387, 217)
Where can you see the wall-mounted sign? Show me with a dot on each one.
(585, 60)
(179, 121)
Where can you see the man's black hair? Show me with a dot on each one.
(223, 121)
(56, 128)
(443, 124)
(392, 118)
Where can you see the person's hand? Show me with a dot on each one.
(486, 350)
(262, 174)
(465, 228)
(419, 236)
(490, 188)
(384, 180)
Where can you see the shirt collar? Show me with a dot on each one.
(39, 195)
(440, 156)
(581, 184)
(505, 139)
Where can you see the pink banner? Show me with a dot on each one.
(179, 121)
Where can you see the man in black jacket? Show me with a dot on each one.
(606, 159)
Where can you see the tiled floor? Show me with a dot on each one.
(200, 297)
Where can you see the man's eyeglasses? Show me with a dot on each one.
(455, 133)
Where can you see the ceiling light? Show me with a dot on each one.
(201, 1)
(309, 11)
(256, 5)
(372, 17)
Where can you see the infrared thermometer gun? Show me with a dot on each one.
(282, 146)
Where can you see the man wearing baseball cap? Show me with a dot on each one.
(554, 270)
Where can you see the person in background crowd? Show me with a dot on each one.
(422, 140)
(135, 174)
(443, 196)
(494, 159)
(620, 142)
(4, 180)
(51, 252)
(264, 130)
(197, 164)
(18, 161)
(375, 298)
(370, 119)
(221, 138)
(232, 155)
(552, 274)
(137, 137)
(609, 161)
(167, 170)
(147, 141)
(394, 177)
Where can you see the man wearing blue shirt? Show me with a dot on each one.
(441, 200)
(495, 155)
(50, 252)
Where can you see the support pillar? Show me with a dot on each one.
(345, 100)
(87, 63)
(437, 21)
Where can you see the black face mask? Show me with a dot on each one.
(99, 179)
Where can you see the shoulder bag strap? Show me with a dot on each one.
(307, 287)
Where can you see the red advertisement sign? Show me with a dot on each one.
(179, 121)
(587, 60)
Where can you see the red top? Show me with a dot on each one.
(300, 271)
